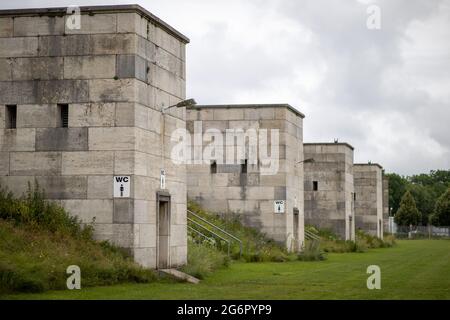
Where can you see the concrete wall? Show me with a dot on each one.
(251, 195)
(116, 73)
(331, 205)
(385, 203)
(369, 198)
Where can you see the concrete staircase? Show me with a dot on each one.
(177, 274)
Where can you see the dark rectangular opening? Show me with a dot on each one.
(63, 110)
(214, 167)
(244, 166)
(315, 185)
(11, 116)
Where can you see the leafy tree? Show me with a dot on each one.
(441, 214)
(425, 199)
(407, 214)
(397, 187)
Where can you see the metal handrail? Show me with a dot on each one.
(199, 233)
(311, 235)
(217, 235)
(218, 228)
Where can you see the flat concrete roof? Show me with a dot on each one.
(98, 9)
(230, 106)
(368, 164)
(329, 144)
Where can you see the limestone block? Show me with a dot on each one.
(145, 235)
(125, 114)
(89, 210)
(36, 116)
(146, 49)
(21, 139)
(146, 257)
(168, 62)
(63, 91)
(69, 45)
(131, 66)
(38, 26)
(4, 163)
(179, 214)
(228, 114)
(112, 43)
(279, 193)
(149, 142)
(260, 193)
(123, 235)
(123, 211)
(178, 236)
(18, 47)
(144, 211)
(61, 139)
(6, 69)
(145, 188)
(114, 138)
(63, 187)
(167, 42)
(259, 113)
(93, 24)
(20, 92)
(178, 255)
(35, 163)
(18, 185)
(87, 162)
(6, 27)
(110, 90)
(100, 187)
(141, 164)
(273, 180)
(166, 80)
(131, 23)
(103, 231)
(89, 67)
(92, 115)
(124, 162)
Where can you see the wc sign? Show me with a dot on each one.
(121, 186)
(278, 206)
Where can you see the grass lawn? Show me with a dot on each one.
(416, 269)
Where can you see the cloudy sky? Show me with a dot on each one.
(386, 91)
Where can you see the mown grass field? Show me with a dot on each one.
(415, 269)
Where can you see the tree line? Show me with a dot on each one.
(420, 199)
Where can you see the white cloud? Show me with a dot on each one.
(386, 92)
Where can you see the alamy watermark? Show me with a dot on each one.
(374, 280)
(74, 280)
(234, 146)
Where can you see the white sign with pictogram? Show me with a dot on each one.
(278, 206)
(121, 186)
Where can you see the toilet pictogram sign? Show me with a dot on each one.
(121, 186)
(278, 206)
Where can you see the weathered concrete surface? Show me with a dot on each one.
(250, 194)
(331, 206)
(369, 198)
(115, 74)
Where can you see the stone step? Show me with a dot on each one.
(179, 275)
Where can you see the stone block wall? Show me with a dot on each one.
(369, 198)
(331, 205)
(250, 195)
(385, 203)
(115, 74)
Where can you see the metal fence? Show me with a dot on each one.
(422, 231)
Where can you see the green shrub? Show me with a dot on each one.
(34, 211)
(203, 260)
(312, 252)
(39, 240)
(256, 246)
